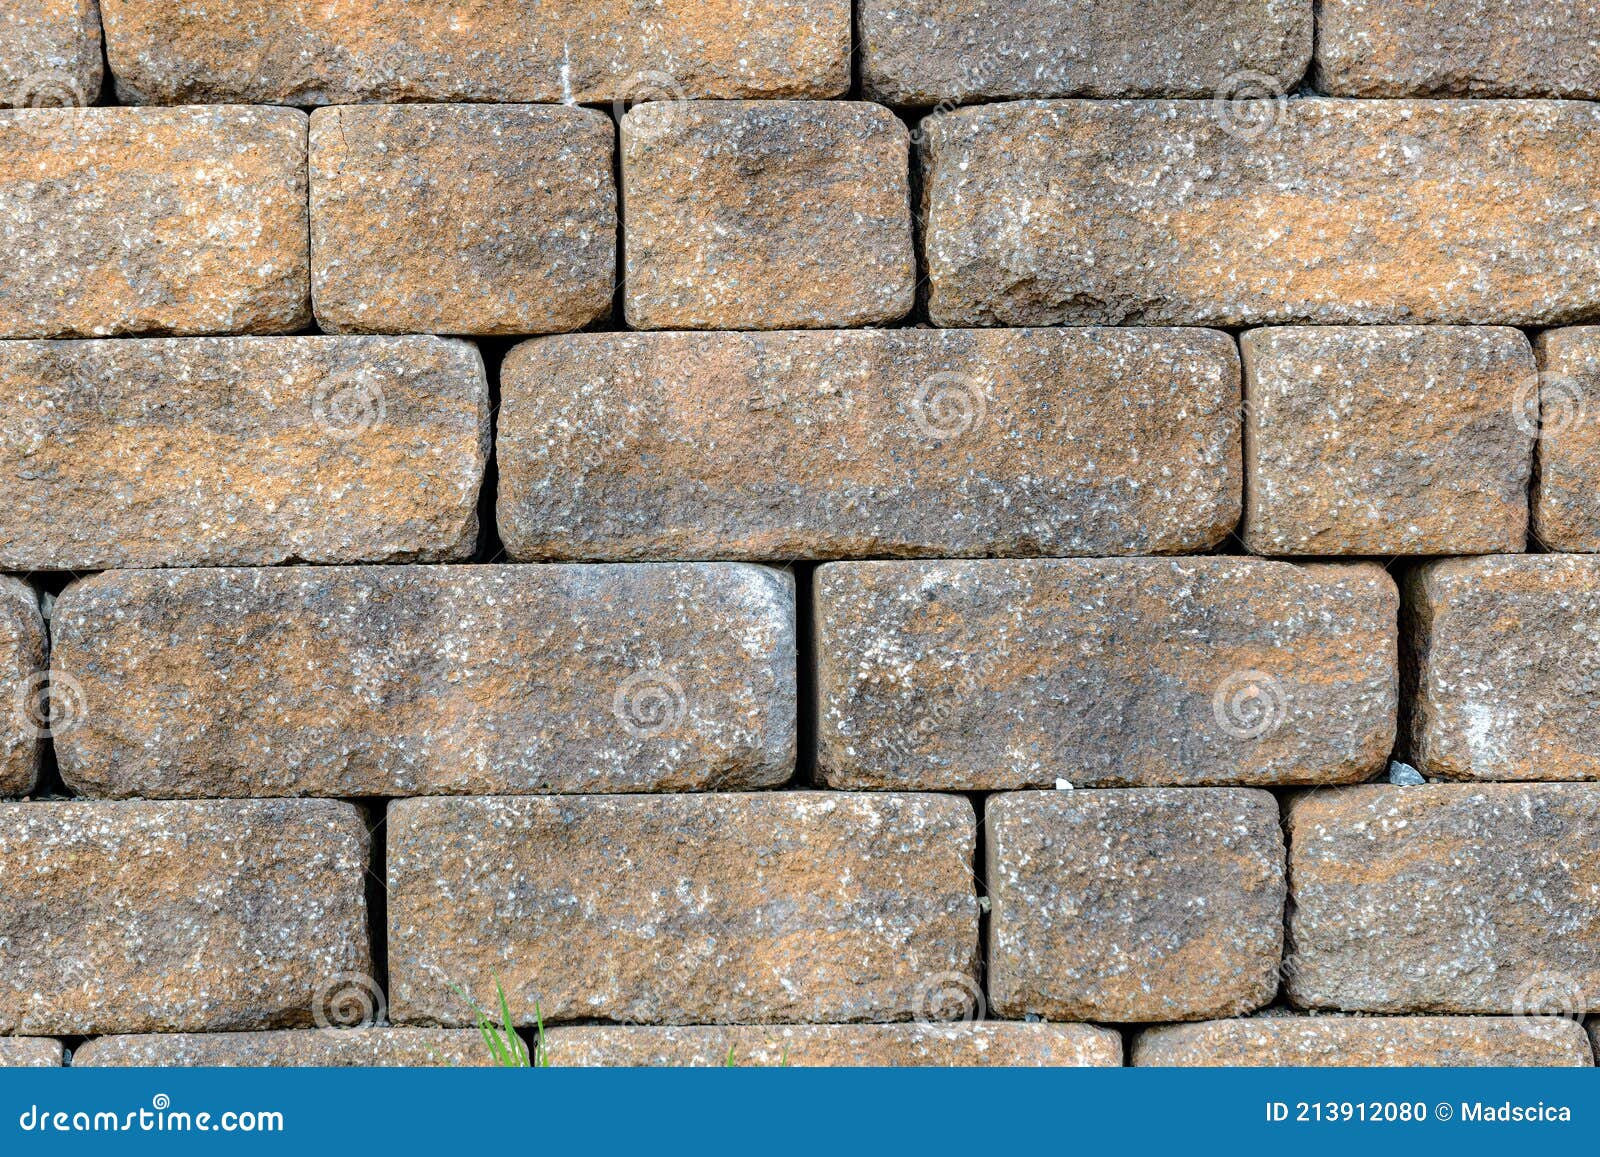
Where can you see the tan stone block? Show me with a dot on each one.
(766, 215)
(1387, 440)
(987, 675)
(393, 1048)
(1257, 212)
(1566, 484)
(24, 717)
(27, 1052)
(52, 53)
(1446, 898)
(1366, 1042)
(985, 1044)
(462, 219)
(1145, 905)
(153, 221)
(253, 451)
(903, 442)
(385, 681)
(162, 917)
(685, 909)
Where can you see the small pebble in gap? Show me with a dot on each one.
(1404, 775)
(1063, 785)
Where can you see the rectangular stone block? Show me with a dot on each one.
(1387, 440)
(52, 57)
(463, 219)
(328, 1048)
(685, 909)
(31, 1052)
(507, 51)
(1507, 659)
(247, 451)
(984, 1044)
(928, 52)
(1477, 48)
(990, 676)
(1447, 898)
(1263, 211)
(766, 215)
(1134, 905)
(153, 221)
(386, 681)
(24, 718)
(1566, 484)
(904, 442)
(1366, 1042)
(188, 917)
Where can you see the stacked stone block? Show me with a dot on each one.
(803, 533)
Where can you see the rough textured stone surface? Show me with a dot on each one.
(982, 676)
(923, 52)
(1446, 898)
(707, 909)
(1365, 1042)
(1239, 213)
(161, 917)
(1387, 440)
(177, 452)
(25, 1052)
(1506, 654)
(23, 717)
(385, 681)
(174, 220)
(1475, 48)
(1566, 488)
(906, 442)
(52, 53)
(271, 52)
(1134, 905)
(291, 1048)
(766, 215)
(838, 1046)
(461, 219)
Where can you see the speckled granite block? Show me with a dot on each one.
(291, 1048)
(29, 1052)
(23, 714)
(1566, 488)
(52, 53)
(1366, 1042)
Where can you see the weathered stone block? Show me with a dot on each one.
(685, 909)
(1446, 898)
(1478, 48)
(1387, 440)
(991, 1043)
(173, 220)
(983, 676)
(1252, 212)
(497, 51)
(926, 52)
(1566, 484)
(1134, 905)
(904, 442)
(240, 451)
(24, 717)
(30, 1052)
(162, 917)
(766, 215)
(385, 681)
(52, 56)
(1365, 1042)
(1506, 653)
(290, 1048)
(465, 219)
